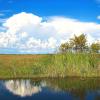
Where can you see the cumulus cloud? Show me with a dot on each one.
(24, 34)
(98, 17)
(31, 33)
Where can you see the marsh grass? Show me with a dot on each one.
(80, 64)
(50, 65)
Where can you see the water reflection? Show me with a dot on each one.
(73, 89)
(22, 87)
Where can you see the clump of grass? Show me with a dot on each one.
(78, 64)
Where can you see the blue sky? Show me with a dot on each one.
(49, 14)
(85, 10)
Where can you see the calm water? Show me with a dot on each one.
(50, 89)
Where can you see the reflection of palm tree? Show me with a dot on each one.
(22, 87)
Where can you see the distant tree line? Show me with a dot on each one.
(79, 44)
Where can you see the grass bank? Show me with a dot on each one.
(57, 65)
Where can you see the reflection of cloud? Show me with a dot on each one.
(22, 87)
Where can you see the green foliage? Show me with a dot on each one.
(65, 47)
(75, 44)
(95, 47)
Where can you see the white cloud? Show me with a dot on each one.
(33, 44)
(24, 34)
(52, 43)
(30, 33)
(98, 17)
(7, 40)
(22, 21)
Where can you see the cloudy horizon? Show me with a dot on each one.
(26, 32)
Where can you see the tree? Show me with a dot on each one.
(79, 42)
(95, 47)
(65, 47)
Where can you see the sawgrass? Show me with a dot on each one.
(49, 65)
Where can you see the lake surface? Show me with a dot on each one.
(50, 89)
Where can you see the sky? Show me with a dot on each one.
(40, 26)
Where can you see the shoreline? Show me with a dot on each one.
(39, 78)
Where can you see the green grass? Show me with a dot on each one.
(57, 65)
(80, 64)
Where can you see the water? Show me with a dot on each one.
(50, 89)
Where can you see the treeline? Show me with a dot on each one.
(79, 44)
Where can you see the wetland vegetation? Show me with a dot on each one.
(73, 58)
